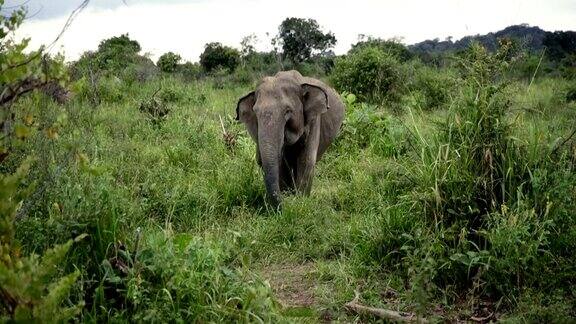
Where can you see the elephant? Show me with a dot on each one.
(293, 119)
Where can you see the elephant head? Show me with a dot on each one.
(277, 114)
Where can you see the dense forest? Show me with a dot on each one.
(128, 192)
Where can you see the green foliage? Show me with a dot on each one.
(182, 278)
(366, 126)
(302, 37)
(116, 57)
(568, 66)
(392, 47)
(571, 94)
(107, 89)
(459, 205)
(560, 44)
(21, 73)
(31, 287)
(168, 62)
(116, 52)
(431, 86)
(190, 71)
(370, 73)
(217, 56)
(157, 108)
(490, 223)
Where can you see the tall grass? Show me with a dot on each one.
(465, 200)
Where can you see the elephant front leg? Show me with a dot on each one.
(307, 159)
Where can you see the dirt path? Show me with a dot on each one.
(293, 284)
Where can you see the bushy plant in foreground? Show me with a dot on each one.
(181, 278)
(366, 126)
(490, 227)
(32, 288)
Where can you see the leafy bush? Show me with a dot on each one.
(142, 70)
(156, 109)
(217, 56)
(433, 85)
(266, 63)
(103, 89)
(168, 62)
(190, 71)
(367, 127)
(32, 288)
(480, 189)
(571, 94)
(117, 52)
(371, 74)
(392, 47)
(117, 56)
(181, 278)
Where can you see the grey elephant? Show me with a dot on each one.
(293, 119)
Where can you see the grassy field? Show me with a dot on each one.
(460, 212)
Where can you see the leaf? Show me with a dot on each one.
(28, 119)
(52, 133)
(21, 131)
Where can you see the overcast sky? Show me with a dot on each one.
(184, 26)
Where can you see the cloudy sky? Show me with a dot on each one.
(184, 26)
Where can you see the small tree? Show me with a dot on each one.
(168, 62)
(248, 45)
(392, 46)
(300, 38)
(116, 52)
(216, 56)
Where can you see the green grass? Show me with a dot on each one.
(179, 230)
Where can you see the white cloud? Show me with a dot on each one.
(185, 27)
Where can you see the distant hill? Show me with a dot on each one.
(531, 38)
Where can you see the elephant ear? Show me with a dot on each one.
(315, 100)
(245, 113)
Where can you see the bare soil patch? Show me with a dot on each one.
(293, 284)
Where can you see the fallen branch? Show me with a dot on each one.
(565, 141)
(481, 319)
(223, 128)
(382, 313)
(229, 137)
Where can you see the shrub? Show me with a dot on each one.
(371, 74)
(367, 127)
(180, 278)
(242, 76)
(32, 288)
(190, 71)
(434, 86)
(217, 56)
(483, 193)
(262, 62)
(156, 109)
(117, 52)
(168, 62)
(144, 69)
(571, 94)
(392, 47)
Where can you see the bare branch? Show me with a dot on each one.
(69, 21)
(387, 314)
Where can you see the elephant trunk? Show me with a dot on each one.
(270, 143)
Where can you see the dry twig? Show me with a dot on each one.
(382, 313)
